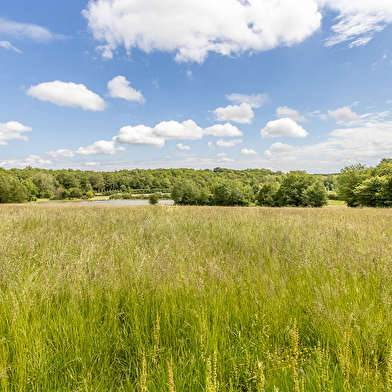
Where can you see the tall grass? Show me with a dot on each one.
(166, 298)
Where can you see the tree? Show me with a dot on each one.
(48, 194)
(189, 193)
(315, 195)
(31, 189)
(291, 191)
(97, 182)
(43, 181)
(229, 193)
(75, 193)
(350, 177)
(12, 191)
(267, 194)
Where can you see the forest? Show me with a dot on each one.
(357, 185)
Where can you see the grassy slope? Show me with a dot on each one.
(98, 298)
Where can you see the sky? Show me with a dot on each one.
(108, 85)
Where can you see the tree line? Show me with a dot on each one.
(357, 185)
(219, 186)
(370, 187)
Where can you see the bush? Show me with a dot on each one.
(48, 194)
(116, 196)
(153, 199)
(89, 194)
(75, 193)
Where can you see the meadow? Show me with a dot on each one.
(169, 298)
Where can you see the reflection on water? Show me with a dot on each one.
(108, 202)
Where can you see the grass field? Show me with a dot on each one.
(166, 298)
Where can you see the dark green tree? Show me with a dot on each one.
(315, 195)
(267, 194)
(350, 177)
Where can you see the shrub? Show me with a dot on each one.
(153, 199)
(116, 196)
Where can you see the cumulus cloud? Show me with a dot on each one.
(225, 159)
(61, 153)
(29, 31)
(180, 146)
(223, 130)
(255, 100)
(7, 45)
(67, 94)
(344, 114)
(242, 114)
(13, 130)
(92, 163)
(357, 21)
(119, 87)
(138, 135)
(142, 135)
(284, 111)
(102, 147)
(230, 143)
(193, 29)
(283, 127)
(174, 130)
(221, 154)
(245, 151)
(187, 130)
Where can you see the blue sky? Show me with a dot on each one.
(122, 84)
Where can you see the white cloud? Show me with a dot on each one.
(37, 160)
(223, 130)
(180, 146)
(255, 100)
(284, 111)
(281, 147)
(193, 29)
(138, 135)
(61, 153)
(242, 114)
(366, 143)
(358, 21)
(142, 135)
(174, 130)
(227, 159)
(102, 147)
(230, 143)
(222, 154)
(92, 163)
(67, 94)
(245, 151)
(283, 127)
(210, 145)
(13, 130)
(7, 45)
(344, 114)
(119, 87)
(26, 31)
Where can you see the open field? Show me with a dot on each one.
(166, 298)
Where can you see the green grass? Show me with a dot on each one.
(106, 298)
